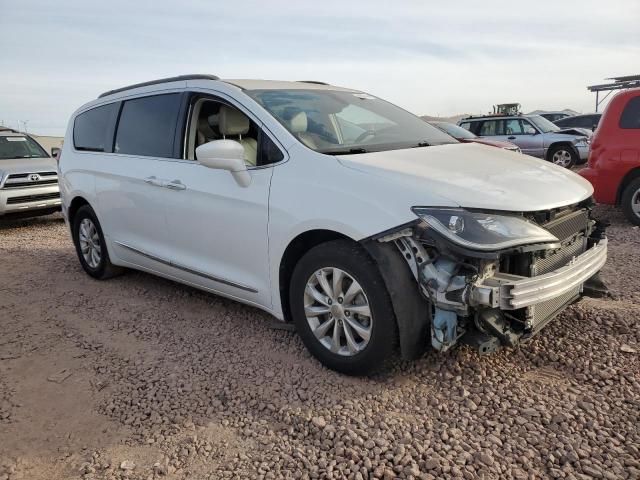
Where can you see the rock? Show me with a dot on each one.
(60, 376)
(431, 463)
(127, 465)
(485, 458)
(319, 422)
(592, 471)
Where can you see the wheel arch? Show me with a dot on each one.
(412, 311)
(630, 176)
(560, 143)
(295, 250)
(74, 206)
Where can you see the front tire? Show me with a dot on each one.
(563, 156)
(91, 246)
(631, 201)
(341, 308)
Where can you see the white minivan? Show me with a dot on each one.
(373, 232)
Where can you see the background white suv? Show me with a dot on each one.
(368, 228)
(28, 177)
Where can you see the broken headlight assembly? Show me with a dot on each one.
(483, 231)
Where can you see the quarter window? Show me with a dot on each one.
(630, 117)
(268, 152)
(147, 126)
(91, 129)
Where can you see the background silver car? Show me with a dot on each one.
(535, 136)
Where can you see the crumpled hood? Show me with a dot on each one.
(27, 165)
(581, 132)
(475, 176)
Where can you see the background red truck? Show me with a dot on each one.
(614, 160)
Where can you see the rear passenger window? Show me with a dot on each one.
(91, 129)
(492, 127)
(630, 117)
(147, 126)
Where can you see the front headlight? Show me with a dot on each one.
(582, 142)
(483, 231)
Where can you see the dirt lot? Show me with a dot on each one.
(138, 377)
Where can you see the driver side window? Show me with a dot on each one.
(528, 129)
(212, 120)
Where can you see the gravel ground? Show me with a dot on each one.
(142, 378)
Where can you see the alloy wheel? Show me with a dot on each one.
(562, 158)
(338, 312)
(635, 202)
(89, 243)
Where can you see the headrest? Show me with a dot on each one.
(297, 122)
(204, 127)
(232, 121)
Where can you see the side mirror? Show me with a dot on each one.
(55, 151)
(225, 155)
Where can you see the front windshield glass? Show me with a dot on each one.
(454, 130)
(16, 146)
(543, 124)
(341, 122)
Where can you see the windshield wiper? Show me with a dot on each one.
(346, 151)
(421, 144)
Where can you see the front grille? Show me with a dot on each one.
(559, 258)
(568, 225)
(30, 184)
(21, 180)
(572, 229)
(32, 198)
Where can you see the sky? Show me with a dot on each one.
(433, 58)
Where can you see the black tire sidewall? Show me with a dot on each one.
(352, 259)
(87, 212)
(627, 197)
(572, 152)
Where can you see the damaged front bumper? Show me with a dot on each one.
(501, 297)
(511, 292)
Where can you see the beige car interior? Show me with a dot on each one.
(213, 120)
(298, 124)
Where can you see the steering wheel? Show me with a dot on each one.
(365, 134)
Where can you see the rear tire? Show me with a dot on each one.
(562, 155)
(91, 246)
(630, 201)
(355, 333)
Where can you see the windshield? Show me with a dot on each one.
(20, 147)
(454, 130)
(340, 122)
(543, 124)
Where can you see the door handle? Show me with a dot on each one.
(153, 181)
(511, 138)
(175, 185)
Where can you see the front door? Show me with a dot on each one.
(217, 228)
(527, 137)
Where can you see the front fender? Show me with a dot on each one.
(412, 310)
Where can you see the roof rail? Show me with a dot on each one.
(179, 78)
(489, 115)
(316, 82)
